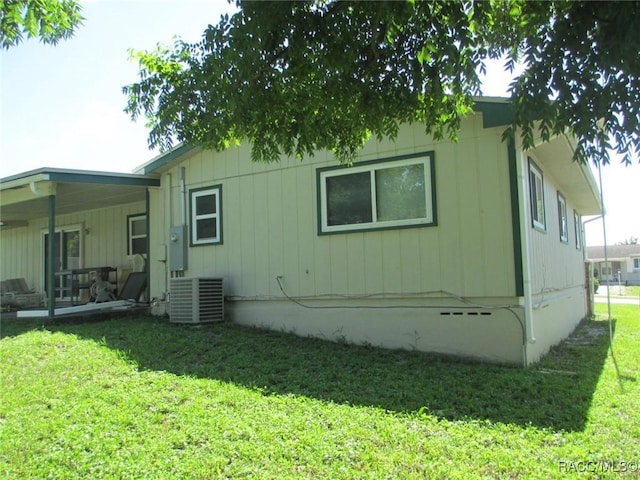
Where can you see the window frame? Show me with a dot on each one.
(636, 263)
(430, 219)
(216, 191)
(577, 223)
(130, 237)
(563, 220)
(535, 171)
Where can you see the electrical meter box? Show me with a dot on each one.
(178, 248)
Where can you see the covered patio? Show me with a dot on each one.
(54, 221)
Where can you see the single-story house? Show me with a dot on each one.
(623, 263)
(471, 248)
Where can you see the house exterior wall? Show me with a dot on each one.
(632, 274)
(557, 271)
(556, 264)
(555, 316)
(270, 225)
(103, 241)
(270, 230)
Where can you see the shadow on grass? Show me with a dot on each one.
(555, 393)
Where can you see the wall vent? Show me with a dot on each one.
(472, 312)
(196, 300)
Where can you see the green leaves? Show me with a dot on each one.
(49, 20)
(293, 78)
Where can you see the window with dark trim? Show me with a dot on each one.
(388, 193)
(137, 234)
(206, 215)
(536, 191)
(577, 222)
(563, 225)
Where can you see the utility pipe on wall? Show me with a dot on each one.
(526, 249)
(183, 193)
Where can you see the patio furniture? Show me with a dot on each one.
(94, 279)
(16, 294)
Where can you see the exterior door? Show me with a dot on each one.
(66, 255)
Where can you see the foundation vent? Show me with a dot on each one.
(470, 312)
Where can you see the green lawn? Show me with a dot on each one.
(141, 398)
(627, 291)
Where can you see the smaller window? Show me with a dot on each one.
(536, 190)
(636, 263)
(137, 234)
(562, 219)
(577, 222)
(206, 215)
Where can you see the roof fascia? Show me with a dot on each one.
(165, 158)
(496, 111)
(76, 176)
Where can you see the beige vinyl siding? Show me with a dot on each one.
(555, 264)
(270, 224)
(103, 241)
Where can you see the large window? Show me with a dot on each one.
(137, 234)
(206, 215)
(536, 191)
(391, 193)
(563, 225)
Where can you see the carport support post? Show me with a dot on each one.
(51, 289)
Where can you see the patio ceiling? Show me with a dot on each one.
(24, 197)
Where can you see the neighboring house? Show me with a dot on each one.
(623, 263)
(95, 219)
(471, 248)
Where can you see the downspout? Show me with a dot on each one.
(167, 218)
(36, 189)
(183, 193)
(526, 255)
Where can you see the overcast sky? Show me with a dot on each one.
(63, 106)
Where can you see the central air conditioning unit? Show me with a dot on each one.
(196, 300)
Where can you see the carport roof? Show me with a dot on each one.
(24, 197)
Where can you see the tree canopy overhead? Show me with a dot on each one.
(295, 77)
(49, 20)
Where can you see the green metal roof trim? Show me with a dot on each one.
(166, 158)
(92, 177)
(495, 113)
(78, 176)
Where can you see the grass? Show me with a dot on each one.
(632, 291)
(141, 398)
